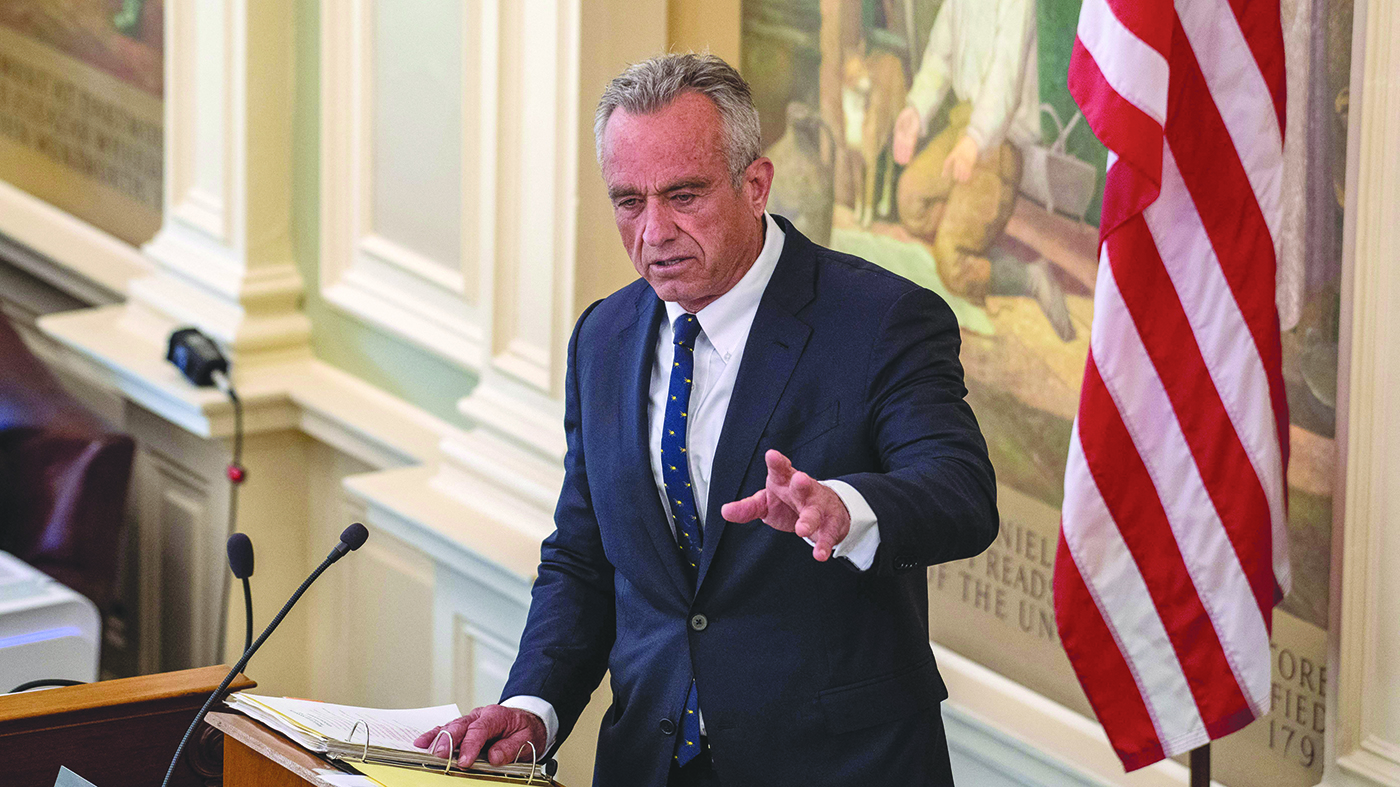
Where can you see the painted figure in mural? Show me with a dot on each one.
(870, 101)
(804, 194)
(958, 191)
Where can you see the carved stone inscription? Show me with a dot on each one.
(79, 138)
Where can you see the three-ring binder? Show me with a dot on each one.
(535, 765)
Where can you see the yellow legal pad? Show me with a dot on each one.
(396, 776)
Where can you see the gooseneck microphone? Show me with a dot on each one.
(240, 560)
(352, 538)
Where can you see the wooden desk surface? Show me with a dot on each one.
(118, 733)
(275, 747)
(112, 698)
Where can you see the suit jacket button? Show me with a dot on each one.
(698, 622)
(667, 726)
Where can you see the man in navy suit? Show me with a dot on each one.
(768, 444)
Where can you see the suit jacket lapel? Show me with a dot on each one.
(633, 351)
(775, 343)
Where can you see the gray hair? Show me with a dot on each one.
(651, 85)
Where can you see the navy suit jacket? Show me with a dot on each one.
(808, 673)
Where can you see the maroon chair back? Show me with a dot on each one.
(63, 477)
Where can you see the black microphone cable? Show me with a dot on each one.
(199, 358)
(351, 539)
(237, 473)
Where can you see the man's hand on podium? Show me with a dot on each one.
(511, 729)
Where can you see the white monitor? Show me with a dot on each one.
(47, 630)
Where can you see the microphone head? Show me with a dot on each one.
(240, 555)
(354, 536)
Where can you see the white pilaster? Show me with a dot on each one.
(1364, 717)
(556, 248)
(223, 254)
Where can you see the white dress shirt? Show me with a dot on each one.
(719, 349)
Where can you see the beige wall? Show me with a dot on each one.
(701, 25)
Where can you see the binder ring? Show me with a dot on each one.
(448, 767)
(364, 755)
(534, 759)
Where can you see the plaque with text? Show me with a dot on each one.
(82, 111)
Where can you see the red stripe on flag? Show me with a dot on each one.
(1122, 128)
(1225, 201)
(1150, 21)
(1126, 193)
(1097, 660)
(1127, 490)
(1220, 456)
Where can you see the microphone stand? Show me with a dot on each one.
(339, 551)
(247, 615)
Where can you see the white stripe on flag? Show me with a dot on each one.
(1214, 314)
(1134, 70)
(1214, 567)
(1113, 579)
(1242, 97)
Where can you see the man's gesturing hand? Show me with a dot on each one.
(794, 502)
(510, 728)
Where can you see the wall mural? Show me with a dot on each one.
(938, 139)
(81, 108)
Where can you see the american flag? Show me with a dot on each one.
(1173, 543)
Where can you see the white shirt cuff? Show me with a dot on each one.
(540, 707)
(863, 540)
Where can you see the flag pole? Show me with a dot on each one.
(1200, 766)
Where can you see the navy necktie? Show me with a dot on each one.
(680, 495)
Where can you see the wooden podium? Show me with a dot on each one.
(116, 733)
(255, 756)
(122, 733)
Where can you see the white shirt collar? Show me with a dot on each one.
(726, 320)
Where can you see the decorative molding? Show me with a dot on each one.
(222, 257)
(177, 502)
(533, 283)
(1362, 767)
(199, 74)
(406, 504)
(335, 407)
(1364, 719)
(431, 303)
(508, 305)
(28, 291)
(1043, 725)
(442, 331)
(518, 415)
(988, 757)
(480, 663)
(88, 263)
(206, 756)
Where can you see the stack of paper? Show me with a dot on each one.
(343, 732)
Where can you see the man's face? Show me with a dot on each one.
(689, 232)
